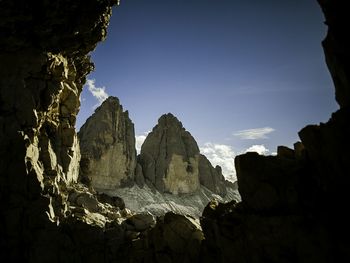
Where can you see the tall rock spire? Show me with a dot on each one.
(171, 160)
(107, 142)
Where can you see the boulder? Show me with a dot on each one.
(140, 222)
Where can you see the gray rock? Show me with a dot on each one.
(140, 222)
(139, 179)
(211, 177)
(107, 143)
(112, 200)
(169, 157)
(171, 161)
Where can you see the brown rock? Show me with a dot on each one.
(174, 239)
(171, 161)
(211, 177)
(285, 152)
(107, 143)
(140, 222)
(169, 157)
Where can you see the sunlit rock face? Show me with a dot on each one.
(180, 178)
(44, 47)
(169, 157)
(171, 161)
(107, 141)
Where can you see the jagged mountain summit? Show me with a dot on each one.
(107, 143)
(169, 166)
(171, 160)
(293, 204)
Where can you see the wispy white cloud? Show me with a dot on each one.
(223, 155)
(139, 141)
(253, 134)
(98, 92)
(259, 148)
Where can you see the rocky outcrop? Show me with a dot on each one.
(169, 157)
(211, 177)
(293, 204)
(336, 48)
(44, 60)
(171, 160)
(108, 164)
(175, 238)
(107, 145)
(45, 215)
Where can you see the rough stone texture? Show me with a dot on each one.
(46, 218)
(45, 215)
(292, 207)
(139, 179)
(44, 60)
(169, 157)
(211, 177)
(336, 48)
(171, 161)
(107, 145)
(175, 238)
(147, 199)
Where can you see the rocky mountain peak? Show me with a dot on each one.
(107, 142)
(171, 160)
(169, 120)
(111, 101)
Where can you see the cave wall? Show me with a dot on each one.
(44, 60)
(293, 205)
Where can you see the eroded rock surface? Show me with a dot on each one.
(107, 143)
(46, 217)
(171, 160)
(44, 60)
(169, 157)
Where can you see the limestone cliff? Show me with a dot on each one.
(107, 143)
(171, 161)
(44, 60)
(169, 157)
(211, 177)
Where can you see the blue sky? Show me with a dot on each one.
(238, 74)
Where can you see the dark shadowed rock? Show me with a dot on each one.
(112, 200)
(292, 207)
(211, 177)
(336, 48)
(268, 183)
(44, 60)
(285, 152)
(140, 222)
(139, 178)
(107, 145)
(175, 238)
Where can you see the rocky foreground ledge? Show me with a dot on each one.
(47, 217)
